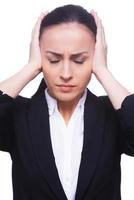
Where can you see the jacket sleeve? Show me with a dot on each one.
(126, 120)
(6, 125)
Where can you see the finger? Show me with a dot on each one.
(103, 37)
(100, 36)
(100, 29)
(95, 15)
(99, 32)
(40, 18)
(35, 32)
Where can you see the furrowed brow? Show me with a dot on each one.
(54, 53)
(74, 55)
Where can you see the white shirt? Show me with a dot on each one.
(67, 143)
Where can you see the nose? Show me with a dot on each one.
(66, 72)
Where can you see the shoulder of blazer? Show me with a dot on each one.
(102, 103)
(6, 99)
(21, 103)
(111, 113)
(102, 100)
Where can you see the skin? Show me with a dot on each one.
(67, 52)
(67, 71)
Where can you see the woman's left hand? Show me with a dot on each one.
(100, 53)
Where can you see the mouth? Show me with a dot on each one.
(66, 87)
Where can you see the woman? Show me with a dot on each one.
(64, 141)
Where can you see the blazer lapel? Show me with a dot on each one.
(40, 136)
(94, 125)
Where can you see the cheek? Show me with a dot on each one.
(86, 69)
(49, 74)
(85, 76)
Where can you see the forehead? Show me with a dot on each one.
(67, 35)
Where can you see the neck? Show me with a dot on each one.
(67, 108)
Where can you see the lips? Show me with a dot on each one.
(65, 87)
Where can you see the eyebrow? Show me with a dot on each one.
(73, 55)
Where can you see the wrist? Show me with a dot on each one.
(31, 71)
(101, 72)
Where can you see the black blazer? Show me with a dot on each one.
(25, 134)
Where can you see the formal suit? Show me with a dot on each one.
(25, 134)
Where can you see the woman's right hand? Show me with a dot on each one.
(35, 55)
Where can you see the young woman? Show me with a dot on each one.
(64, 141)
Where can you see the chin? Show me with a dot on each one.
(66, 97)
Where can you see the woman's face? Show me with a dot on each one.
(67, 52)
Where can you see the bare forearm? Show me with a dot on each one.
(113, 88)
(14, 84)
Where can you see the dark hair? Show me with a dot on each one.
(69, 13)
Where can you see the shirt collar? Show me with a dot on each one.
(52, 102)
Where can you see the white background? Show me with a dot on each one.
(17, 19)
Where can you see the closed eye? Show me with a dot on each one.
(79, 62)
(76, 61)
(54, 61)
